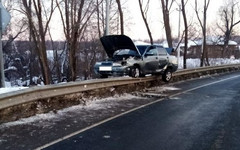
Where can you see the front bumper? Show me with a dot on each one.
(112, 70)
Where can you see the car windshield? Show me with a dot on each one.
(124, 54)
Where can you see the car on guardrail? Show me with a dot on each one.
(136, 61)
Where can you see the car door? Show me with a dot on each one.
(151, 60)
(163, 57)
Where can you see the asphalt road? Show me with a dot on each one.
(195, 114)
(204, 115)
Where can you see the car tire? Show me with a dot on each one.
(64, 79)
(167, 76)
(135, 72)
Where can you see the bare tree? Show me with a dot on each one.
(186, 34)
(203, 24)
(17, 26)
(144, 16)
(117, 20)
(121, 16)
(75, 17)
(228, 21)
(166, 6)
(98, 19)
(38, 27)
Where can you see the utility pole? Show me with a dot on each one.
(107, 18)
(2, 76)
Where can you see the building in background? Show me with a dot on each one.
(215, 47)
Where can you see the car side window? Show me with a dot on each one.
(151, 52)
(162, 51)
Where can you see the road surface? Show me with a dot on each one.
(199, 114)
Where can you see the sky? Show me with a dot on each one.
(155, 17)
(136, 28)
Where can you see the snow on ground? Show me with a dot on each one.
(195, 63)
(95, 104)
(161, 89)
(11, 89)
(92, 104)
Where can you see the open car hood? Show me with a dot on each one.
(112, 43)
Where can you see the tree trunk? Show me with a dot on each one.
(121, 16)
(186, 36)
(227, 13)
(226, 42)
(77, 15)
(38, 33)
(166, 20)
(72, 59)
(45, 67)
(98, 20)
(145, 21)
(204, 53)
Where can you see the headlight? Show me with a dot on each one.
(175, 62)
(116, 64)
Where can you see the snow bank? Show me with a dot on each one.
(94, 104)
(91, 105)
(11, 89)
(195, 63)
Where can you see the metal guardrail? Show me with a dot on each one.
(48, 91)
(43, 92)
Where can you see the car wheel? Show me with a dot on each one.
(167, 76)
(64, 79)
(135, 72)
